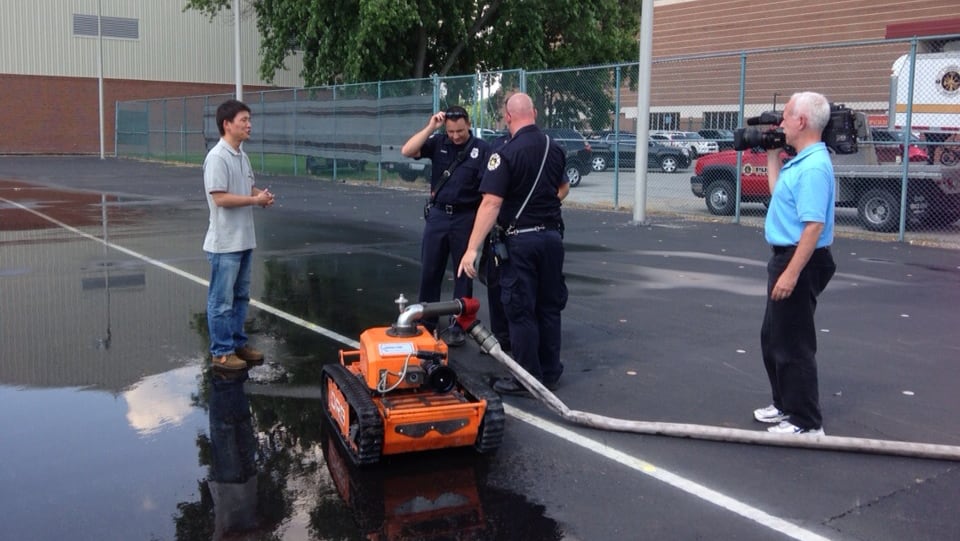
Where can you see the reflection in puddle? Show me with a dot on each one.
(161, 400)
(271, 455)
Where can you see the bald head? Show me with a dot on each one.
(519, 112)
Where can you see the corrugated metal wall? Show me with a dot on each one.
(36, 38)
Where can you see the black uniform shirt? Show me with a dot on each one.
(462, 186)
(511, 172)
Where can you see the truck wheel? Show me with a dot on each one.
(668, 164)
(948, 156)
(721, 198)
(598, 163)
(879, 210)
(573, 173)
(408, 176)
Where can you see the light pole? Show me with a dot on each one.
(100, 73)
(236, 49)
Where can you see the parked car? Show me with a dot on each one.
(667, 159)
(320, 166)
(697, 144)
(692, 141)
(578, 152)
(723, 138)
(888, 151)
(484, 133)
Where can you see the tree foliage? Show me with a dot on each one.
(347, 41)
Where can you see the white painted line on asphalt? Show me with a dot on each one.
(672, 479)
(196, 279)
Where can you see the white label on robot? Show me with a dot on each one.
(400, 348)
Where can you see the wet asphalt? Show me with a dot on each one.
(112, 419)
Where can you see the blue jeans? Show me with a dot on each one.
(227, 300)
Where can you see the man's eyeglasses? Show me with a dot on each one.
(454, 115)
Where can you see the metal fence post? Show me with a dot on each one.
(380, 133)
(908, 123)
(183, 128)
(741, 105)
(263, 156)
(616, 148)
(296, 160)
(116, 128)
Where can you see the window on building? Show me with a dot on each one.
(720, 120)
(664, 121)
(113, 27)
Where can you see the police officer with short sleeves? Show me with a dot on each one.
(533, 290)
(458, 161)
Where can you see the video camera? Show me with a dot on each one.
(840, 134)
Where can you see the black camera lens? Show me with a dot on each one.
(745, 138)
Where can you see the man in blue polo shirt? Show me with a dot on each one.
(799, 228)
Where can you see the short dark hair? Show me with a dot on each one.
(454, 112)
(229, 110)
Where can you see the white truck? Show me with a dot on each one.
(935, 108)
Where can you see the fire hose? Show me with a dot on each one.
(466, 318)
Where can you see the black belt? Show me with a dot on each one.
(787, 249)
(455, 208)
(532, 229)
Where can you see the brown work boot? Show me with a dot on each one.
(229, 362)
(249, 354)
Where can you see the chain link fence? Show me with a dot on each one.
(905, 93)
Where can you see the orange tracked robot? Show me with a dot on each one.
(398, 393)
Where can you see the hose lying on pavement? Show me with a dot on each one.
(489, 344)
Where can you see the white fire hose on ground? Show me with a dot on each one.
(489, 344)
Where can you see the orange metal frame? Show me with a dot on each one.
(415, 418)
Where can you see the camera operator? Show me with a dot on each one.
(799, 228)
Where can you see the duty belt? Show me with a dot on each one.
(455, 208)
(511, 231)
(778, 250)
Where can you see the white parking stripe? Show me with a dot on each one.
(672, 479)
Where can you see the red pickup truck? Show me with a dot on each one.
(874, 189)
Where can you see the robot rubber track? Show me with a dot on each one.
(366, 428)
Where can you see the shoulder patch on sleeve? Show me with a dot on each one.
(494, 162)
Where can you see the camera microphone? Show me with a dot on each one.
(767, 117)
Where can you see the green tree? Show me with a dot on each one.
(346, 41)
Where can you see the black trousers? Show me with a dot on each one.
(498, 318)
(533, 292)
(788, 338)
(445, 238)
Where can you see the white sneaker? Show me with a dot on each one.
(769, 414)
(786, 427)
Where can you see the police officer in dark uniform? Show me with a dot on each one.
(459, 160)
(533, 290)
(490, 276)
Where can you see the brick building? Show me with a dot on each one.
(801, 50)
(49, 53)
